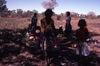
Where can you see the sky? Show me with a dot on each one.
(79, 6)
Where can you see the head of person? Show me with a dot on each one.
(35, 14)
(48, 13)
(82, 23)
(67, 13)
(38, 28)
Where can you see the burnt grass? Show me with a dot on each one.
(15, 52)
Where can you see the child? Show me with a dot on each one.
(68, 27)
(34, 20)
(31, 29)
(82, 35)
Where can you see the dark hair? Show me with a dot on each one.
(38, 27)
(49, 12)
(82, 23)
(68, 13)
(35, 14)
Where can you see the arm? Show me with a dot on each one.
(53, 24)
(32, 20)
(68, 20)
(87, 34)
(42, 26)
(42, 23)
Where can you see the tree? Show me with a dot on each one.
(3, 8)
(27, 13)
(3, 5)
(35, 11)
(51, 4)
(98, 16)
(19, 12)
(91, 15)
(13, 13)
(74, 14)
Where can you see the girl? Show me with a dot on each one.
(82, 35)
(68, 27)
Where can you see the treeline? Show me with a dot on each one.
(18, 13)
(5, 12)
(29, 13)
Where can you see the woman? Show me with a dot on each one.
(47, 24)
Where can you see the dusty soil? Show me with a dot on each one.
(16, 23)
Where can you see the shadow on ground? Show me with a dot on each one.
(13, 51)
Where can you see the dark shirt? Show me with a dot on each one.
(34, 20)
(82, 34)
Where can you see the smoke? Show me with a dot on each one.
(50, 5)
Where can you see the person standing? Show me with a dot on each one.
(34, 20)
(32, 26)
(68, 27)
(47, 24)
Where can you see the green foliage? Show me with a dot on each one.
(3, 6)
